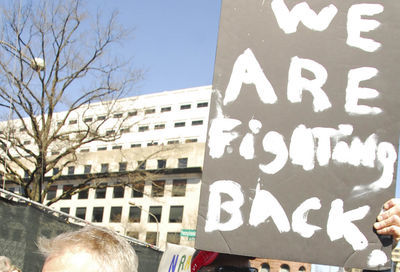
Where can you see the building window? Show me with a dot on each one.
(176, 214)
(165, 109)
(124, 130)
(161, 164)
(132, 113)
(265, 267)
(302, 269)
(56, 170)
(52, 192)
(143, 128)
(83, 194)
(118, 115)
(151, 237)
(152, 143)
(182, 162)
(134, 214)
(84, 150)
(87, 168)
(187, 141)
(97, 215)
(80, 213)
(179, 124)
(101, 118)
(117, 147)
(122, 166)
(135, 145)
(202, 104)
(179, 187)
(102, 148)
(73, 122)
(64, 210)
(149, 111)
(54, 152)
(110, 132)
(197, 123)
(133, 234)
(88, 119)
(154, 212)
(118, 192)
(138, 189)
(115, 214)
(101, 192)
(284, 268)
(157, 188)
(71, 170)
(185, 107)
(66, 188)
(173, 238)
(173, 142)
(141, 165)
(104, 168)
(27, 142)
(159, 126)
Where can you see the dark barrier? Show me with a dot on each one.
(22, 224)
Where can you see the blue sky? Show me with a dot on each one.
(174, 41)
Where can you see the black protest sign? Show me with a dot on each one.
(304, 123)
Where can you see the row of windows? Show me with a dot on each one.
(157, 190)
(176, 125)
(135, 213)
(122, 167)
(151, 237)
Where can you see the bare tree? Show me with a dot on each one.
(55, 57)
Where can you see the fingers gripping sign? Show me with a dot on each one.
(388, 221)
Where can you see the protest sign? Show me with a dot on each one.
(304, 123)
(176, 258)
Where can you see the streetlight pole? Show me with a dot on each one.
(155, 217)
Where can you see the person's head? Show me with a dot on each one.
(6, 265)
(86, 250)
(206, 261)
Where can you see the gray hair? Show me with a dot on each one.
(111, 252)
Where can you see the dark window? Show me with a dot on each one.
(173, 238)
(152, 143)
(142, 165)
(191, 141)
(157, 188)
(159, 126)
(185, 107)
(66, 188)
(83, 194)
(176, 214)
(161, 163)
(101, 148)
(137, 189)
(71, 170)
(104, 168)
(173, 142)
(85, 150)
(117, 115)
(110, 132)
(27, 142)
(101, 192)
(165, 109)
(133, 234)
(202, 104)
(302, 269)
(122, 166)
(197, 123)
(65, 210)
(135, 145)
(97, 215)
(115, 214)
(87, 169)
(143, 128)
(284, 268)
(23, 129)
(134, 214)
(182, 162)
(55, 152)
(124, 130)
(179, 124)
(118, 192)
(56, 170)
(73, 122)
(149, 111)
(80, 213)
(52, 192)
(265, 267)
(101, 118)
(151, 237)
(88, 119)
(179, 187)
(155, 212)
(117, 147)
(132, 113)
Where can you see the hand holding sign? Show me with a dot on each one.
(389, 220)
